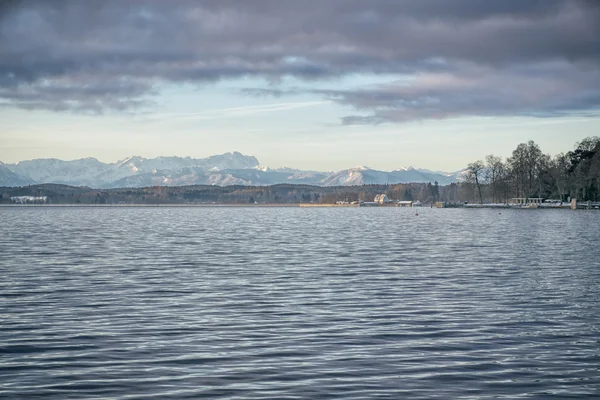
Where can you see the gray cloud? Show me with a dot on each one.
(79, 93)
(544, 90)
(262, 92)
(467, 57)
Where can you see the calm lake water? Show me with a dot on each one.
(290, 303)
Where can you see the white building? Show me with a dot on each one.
(382, 199)
(29, 199)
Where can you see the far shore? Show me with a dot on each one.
(269, 205)
(159, 205)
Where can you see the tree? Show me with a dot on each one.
(495, 172)
(518, 169)
(534, 167)
(526, 165)
(584, 169)
(559, 172)
(474, 175)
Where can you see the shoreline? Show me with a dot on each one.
(151, 205)
(271, 205)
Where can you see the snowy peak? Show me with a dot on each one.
(52, 170)
(460, 175)
(129, 160)
(9, 178)
(262, 168)
(91, 172)
(235, 160)
(367, 176)
(409, 168)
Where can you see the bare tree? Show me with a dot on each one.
(494, 174)
(518, 169)
(475, 174)
(559, 171)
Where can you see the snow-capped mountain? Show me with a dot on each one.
(132, 171)
(362, 175)
(460, 175)
(51, 170)
(9, 178)
(222, 170)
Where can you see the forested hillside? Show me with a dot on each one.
(62, 194)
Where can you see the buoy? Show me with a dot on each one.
(417, 214)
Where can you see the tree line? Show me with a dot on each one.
(205, 194)
(528, 172)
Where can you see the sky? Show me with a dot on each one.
(322, 85)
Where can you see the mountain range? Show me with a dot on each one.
(222, 170)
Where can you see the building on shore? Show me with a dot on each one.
(29, 199)
(526, 201)
(405, 203)
(382, 199)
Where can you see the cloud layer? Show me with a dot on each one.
(452, 57)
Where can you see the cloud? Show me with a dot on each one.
(234, 112)
(544, 90)
(85, 94)
(262, 92)
(462, 57)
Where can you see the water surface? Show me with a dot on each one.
(291, 303)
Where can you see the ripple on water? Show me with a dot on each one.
(257, 303)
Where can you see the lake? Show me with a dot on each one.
(298, 303)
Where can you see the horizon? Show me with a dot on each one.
(315, 88)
